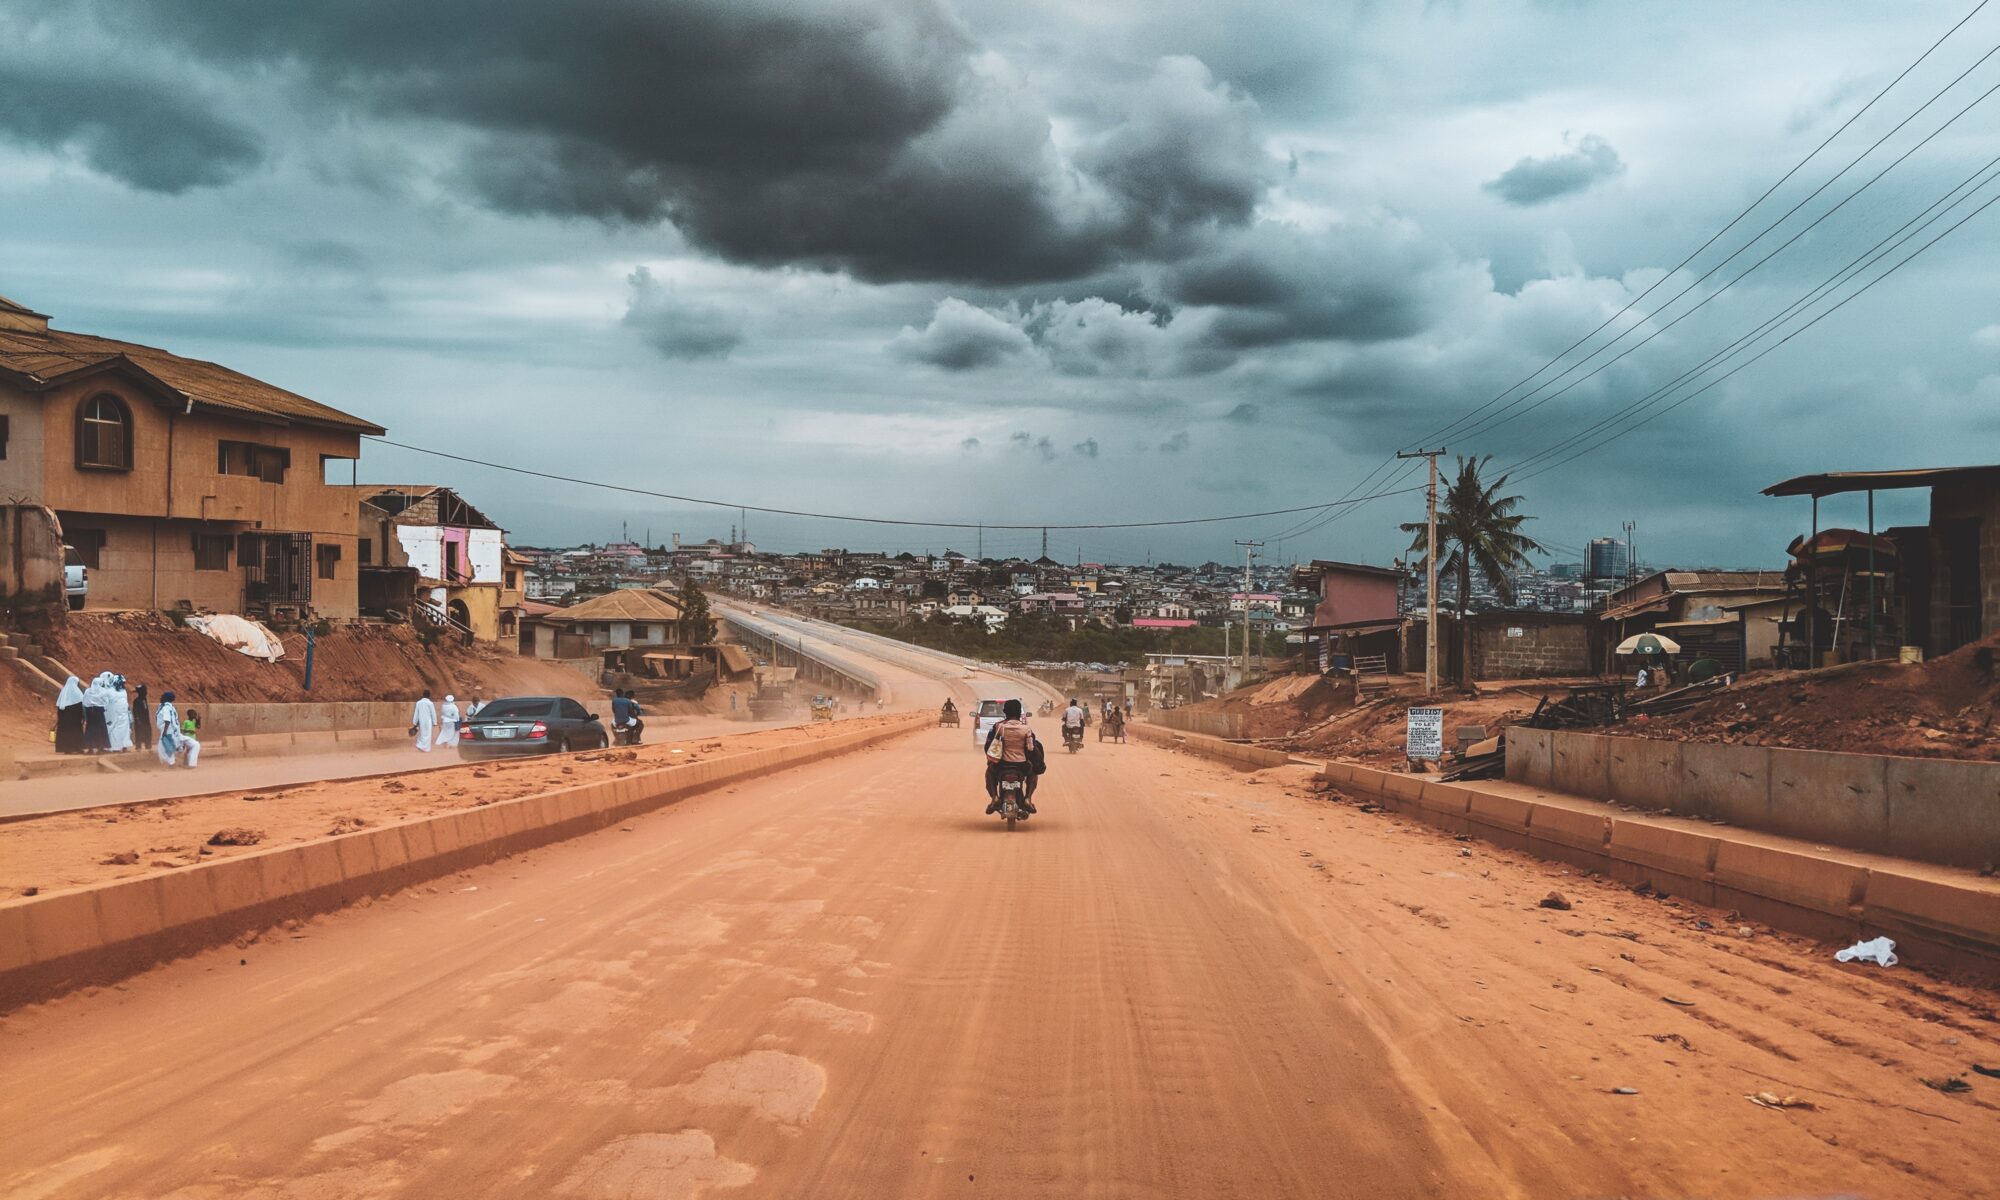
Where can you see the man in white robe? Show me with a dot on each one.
(173, 741)
(448, 718)
(423, 722)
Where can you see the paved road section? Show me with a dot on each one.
(845, 982)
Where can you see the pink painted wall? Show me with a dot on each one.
(1346, 596)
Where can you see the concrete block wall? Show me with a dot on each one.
(1938, 811)
(1209, 724)
(1542, 649)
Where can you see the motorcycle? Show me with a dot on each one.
(1072, 738)
(1012, 793)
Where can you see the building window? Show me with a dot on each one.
(88, 544)
(454, 570)
(366, 550)
(267, 463)
(327, 556)
(211, 551)
(104, 434)
(513, 577)
(3, 435)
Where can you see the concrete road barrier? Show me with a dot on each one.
(1236, 754)
(1936, 915)
(96, 934)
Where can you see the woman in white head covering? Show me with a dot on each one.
(448, 719)
(96, 734)
(69, 718)
(118, 716)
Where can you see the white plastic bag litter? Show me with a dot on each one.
(1880, 951)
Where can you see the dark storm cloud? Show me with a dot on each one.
(1176, 443)
(969, 444)
(1539, 180)
(866, 135)
(1275, 284)
(1244, 414)
(961, 337)
(676, 326)
(144, 132)
(1086, 448)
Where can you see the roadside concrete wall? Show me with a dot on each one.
(54, 943)
(1208, 724)
(1934, 810)
(1242, 757)
(1529, 645)
(1937, 916)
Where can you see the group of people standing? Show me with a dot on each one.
(108, 717)
(432, 725)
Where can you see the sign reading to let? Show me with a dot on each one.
(1426, 734)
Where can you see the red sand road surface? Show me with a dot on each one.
(842, 981)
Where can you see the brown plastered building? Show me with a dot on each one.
(178, 481)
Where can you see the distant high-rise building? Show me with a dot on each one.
(1608, 558)
(1565, 570)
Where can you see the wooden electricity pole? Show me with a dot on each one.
(1430, 574)
(1249, 553)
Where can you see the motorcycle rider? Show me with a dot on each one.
(1017, 745)
(1074, 718)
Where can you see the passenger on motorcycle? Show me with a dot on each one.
(625, 722)
(1017, 745)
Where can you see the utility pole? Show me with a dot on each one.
(1249, 553)
(1045, 541)
(1431, 574)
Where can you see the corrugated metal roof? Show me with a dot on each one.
(49, 357)
(1833, 483)
(626, 604)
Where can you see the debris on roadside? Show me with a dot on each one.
(346, 824)
(129, 858)
(1554, 900)
(1678, 1002)
(1624, 1091)
(236, 837)
(1774, 1100)
(1881, 951)
(1950, 1087)
(1675, 1038)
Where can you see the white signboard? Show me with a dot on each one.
(1515, 631)
(1426, 734)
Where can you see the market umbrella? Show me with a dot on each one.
(1649, 643)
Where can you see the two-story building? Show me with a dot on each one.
(180, 483)
(428, 546)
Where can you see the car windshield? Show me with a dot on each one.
(990, 708)
(516, 710)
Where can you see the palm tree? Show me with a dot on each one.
(1477, 530)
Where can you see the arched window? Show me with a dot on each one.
(104, 434)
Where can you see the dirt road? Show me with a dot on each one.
(843, 981)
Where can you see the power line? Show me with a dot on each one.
(1450, 428)
(1860, 263)
(1504, 416)
(1760, 354)
(899, 521)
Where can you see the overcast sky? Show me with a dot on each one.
(1019, 261)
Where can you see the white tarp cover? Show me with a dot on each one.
(241, 635)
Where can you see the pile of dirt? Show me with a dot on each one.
(1944, 708)
(352, 661)
(1375, 734)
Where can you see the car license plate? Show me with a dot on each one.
(500, 731)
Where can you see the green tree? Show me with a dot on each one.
(1478, 530)
(697, 627)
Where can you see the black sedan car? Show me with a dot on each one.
(531, 725)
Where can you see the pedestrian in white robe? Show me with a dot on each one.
(118, 715)
(173, 743)
(96, 732)
(423, 722)
(448, 718)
